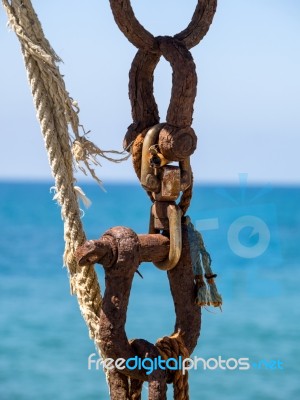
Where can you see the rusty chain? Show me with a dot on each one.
(154, 146)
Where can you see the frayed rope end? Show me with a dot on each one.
(207, 293)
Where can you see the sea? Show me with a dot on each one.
(252, 234)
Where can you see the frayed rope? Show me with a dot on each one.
(86, 152)
(207, 292)
(79, 194)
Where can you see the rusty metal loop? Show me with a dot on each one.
(200, 23)
(184, 89)
(130, 26)
(184, 81)
(144, 109)
(144, 40)
(112, 337)
(174, 214)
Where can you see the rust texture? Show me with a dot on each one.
(136, 159)
(184, 83)
(179, 139)
(119, 250)
(188, 314)
(130, 26)
(143, 105)
(176, 51)
(200, 23)
(177, 143)
(152, 248)
(118, 279)
(144, 40)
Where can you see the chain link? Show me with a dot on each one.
(156, 145)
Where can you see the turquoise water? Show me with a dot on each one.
(44, 345)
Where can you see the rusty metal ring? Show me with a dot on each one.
(144, 40)
(144, 109)
(130, 26)
(119, 273)
(180, 111)
(200, 23)
(184, 81)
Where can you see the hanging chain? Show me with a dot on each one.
(156, 144)
(172, 241)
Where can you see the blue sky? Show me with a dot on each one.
(247, 109)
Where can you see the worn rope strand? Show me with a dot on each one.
(207, 293)
(54, 112)
(173, 347)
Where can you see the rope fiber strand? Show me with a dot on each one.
(55, 113)
(173, 347)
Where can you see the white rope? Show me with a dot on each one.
(56, 111)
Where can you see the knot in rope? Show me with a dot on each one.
(173, 347)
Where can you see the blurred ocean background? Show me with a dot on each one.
(44, 344)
